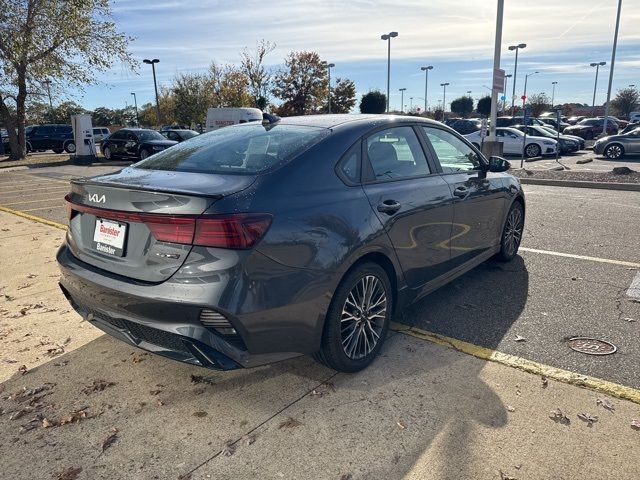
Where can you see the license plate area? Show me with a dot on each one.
(109, 237)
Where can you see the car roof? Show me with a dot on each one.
(335, 120)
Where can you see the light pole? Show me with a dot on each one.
(388, 37)
(410, 103)
(48, 84)
(504, 102)
(444, 98)
(155, 85)
(329, 67)
(595, 86)
(469, 93)
(135, 103)
(553, 93)
(426, 84)
(524, 96)
(613, 62)
(515, 73)
(401, 90)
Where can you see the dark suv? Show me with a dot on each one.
(58, 138)
(590, 128)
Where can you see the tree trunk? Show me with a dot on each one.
(8, 119)
(21, 99)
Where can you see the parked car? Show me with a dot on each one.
(590, 128)
(134, 143)
(512, 141)
(554, 132)
(58, 138)
(249, 245)
(630, 127)
(465, 126)
(617, 146)
(634, 117)
(100, 133)
(621, 123)
(511, 121)
(554, 123)
(179, 135)
(575, 119)
(173, 127)
(566, 144)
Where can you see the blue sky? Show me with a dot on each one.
(562, 38)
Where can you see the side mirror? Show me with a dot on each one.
(498, 164)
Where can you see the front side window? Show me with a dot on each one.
(453, 153)
(147, 135)
(396, 153)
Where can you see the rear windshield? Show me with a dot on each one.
(242, 149)
(147, 135)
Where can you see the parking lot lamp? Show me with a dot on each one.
(135, 104)
(613, 61)
(444, 98)
(155, 85)
(426, 84)
(515, 73)
(401, 90)
(524, 96)
(553, 93)
(388, 37)
(329, 67)
(595, 86)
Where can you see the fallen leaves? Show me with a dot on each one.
(201, 379)
(520, 339)
(23, 286)
(401, 424)
(55, 351)
(23, 370)
(97, 386)
(200, 414)
(73, 417)
(545, 382)
(588, 418)
(110, 439)
(510, 408)
(289, 423)
(606, 404)
(635, 424)
(559, 417)
(70, 473)
(504, 476)
(229, 449)
(248, 439)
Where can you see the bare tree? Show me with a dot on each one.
(252, 65)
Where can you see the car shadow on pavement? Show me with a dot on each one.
(417, 401)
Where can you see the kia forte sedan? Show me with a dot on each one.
(260, 242)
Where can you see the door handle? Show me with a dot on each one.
(461, 192)
(389, 207)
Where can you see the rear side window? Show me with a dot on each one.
(396, 153)
(246, 149)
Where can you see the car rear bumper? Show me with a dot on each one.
(165, 318)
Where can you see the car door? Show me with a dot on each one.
(131, 145)
(413, 202)
(39, 137)
(480, 197)
(115, 143)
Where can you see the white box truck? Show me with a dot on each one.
(223, 117)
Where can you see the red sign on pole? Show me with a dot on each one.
(523, 97)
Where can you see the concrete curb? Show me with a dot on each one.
(13, 169)
(629, 187)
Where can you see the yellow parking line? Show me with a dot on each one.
(28, 189)
(33, 201)
(43, 208)
(582, 257)
(26, 175)
(565, 376)
(33, 217)
(3, 184)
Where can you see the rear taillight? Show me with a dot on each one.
(238, 231)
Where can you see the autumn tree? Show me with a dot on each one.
(627, 100)
(302, 84)
(373, 102)
(462, 106)
(343, 96)
(538, 103)
(56, 41)
(258, 77)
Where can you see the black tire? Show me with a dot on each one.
(144, 154)
(615, 151)
(70, 147)
(511, 233)
(532, 150)
(345, 318)
(106, 153)
(58, 150)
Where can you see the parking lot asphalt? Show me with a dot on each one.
(86, 406)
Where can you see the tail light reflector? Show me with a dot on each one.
(237, 231)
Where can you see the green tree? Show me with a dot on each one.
(37, 113)
(462, 106)
(343, 96)
(62, 113)
(192, 96)
(66, 42)
(484, 106)
(373, 102)
(538, 103)
(103, 116)
(259, 78)
(627, 100)
(302, 84)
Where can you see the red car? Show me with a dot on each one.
(590, 128)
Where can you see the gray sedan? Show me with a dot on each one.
(617, 146)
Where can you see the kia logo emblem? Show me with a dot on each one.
(93, 197)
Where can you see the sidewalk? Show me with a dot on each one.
(421, 411)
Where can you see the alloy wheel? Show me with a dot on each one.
(532, 150)
(613, 151)
(513, 231)
(363, 316)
